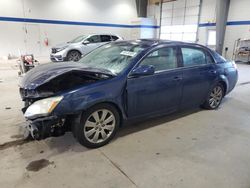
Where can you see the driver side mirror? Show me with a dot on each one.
(85, 42)
(143, 70)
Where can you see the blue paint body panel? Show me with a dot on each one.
(146, 96)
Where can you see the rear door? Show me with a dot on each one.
(157, 93)
(199, 74)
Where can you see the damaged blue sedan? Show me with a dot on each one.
(120, 81)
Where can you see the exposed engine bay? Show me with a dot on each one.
(61, 83)
(47, 126)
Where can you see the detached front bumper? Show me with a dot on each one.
(44, 127)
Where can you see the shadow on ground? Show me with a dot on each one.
(69, 143)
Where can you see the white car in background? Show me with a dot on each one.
(74, 49)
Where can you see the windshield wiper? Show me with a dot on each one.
(109, 73)
(103, 71)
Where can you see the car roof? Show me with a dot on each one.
(154, 42)
(91, 34)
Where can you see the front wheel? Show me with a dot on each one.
(215, 97)
(74, 55)
(98, 126)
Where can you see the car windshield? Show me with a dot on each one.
(78, 39)
(113, 57)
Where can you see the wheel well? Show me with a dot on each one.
(224, 86)
(73, 50)
(114, 105)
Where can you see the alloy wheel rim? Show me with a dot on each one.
(99, 126)
(215, 97)
(73, 56)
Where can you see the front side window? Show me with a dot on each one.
(105, 38)
(193, 57)
(162, 59)
(94, 39)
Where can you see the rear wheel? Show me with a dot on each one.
(215, 97)
(74, 55)
(98, 126)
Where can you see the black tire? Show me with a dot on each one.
(213, 101)
(81, 130)
(74, 55)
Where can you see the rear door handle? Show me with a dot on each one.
(177, 78)
(212, 71)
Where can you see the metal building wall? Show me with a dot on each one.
(179, 20)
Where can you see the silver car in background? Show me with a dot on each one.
(74, 49)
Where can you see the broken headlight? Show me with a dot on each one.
(42, 107)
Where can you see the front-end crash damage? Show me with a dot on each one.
(41, 95)
(45, 127)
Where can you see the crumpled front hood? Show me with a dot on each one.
(46, 72)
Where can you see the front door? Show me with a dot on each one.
(94, 42)
(157, 93)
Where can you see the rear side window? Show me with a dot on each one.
(193, 57)
(105, 38)
(162, 59)
(209, 59)
(114, 37)
(218, 58)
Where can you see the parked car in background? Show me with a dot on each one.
(122, 81)
(74, 49)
